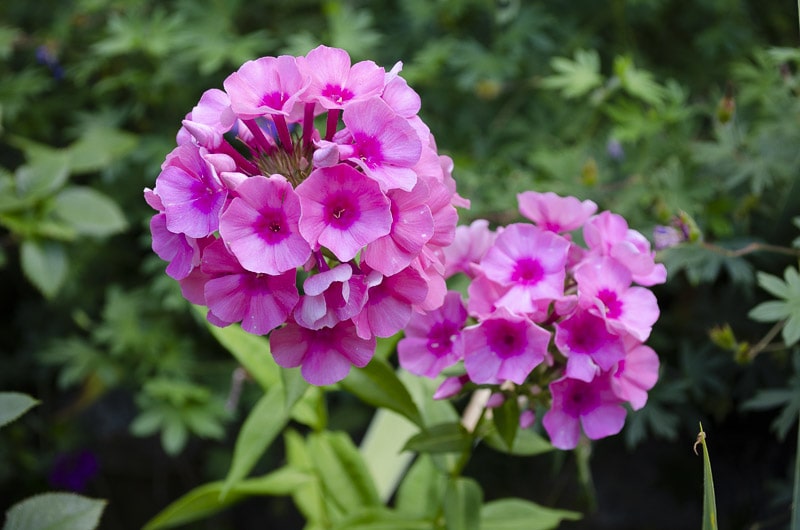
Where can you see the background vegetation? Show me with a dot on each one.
(666, 111)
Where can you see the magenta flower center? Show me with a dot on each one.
(275, 100)
(588, 336)
(580, 400)
(527, 271)
(341, 212)
(271, 227)
(337, 94)
(368, 149)
(612, 303)
(440, 338)
(506, 339)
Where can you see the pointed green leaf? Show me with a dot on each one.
(264, 423)
(462, 504)
(382, 450)
(378, 384)
(98, 147)
(47, 170)
(13, 405)
(506, 421)
(45, 265)
(772, 284)
(518, 514)
(442, 438)
(341, 470)
(294, 385)
(383, 519)
(89, 212)
(709, 500)
(771, 311)
(308, 497)
(526, 443)
(205, 500)
(422, 490)
(55, 511)
(311, 409)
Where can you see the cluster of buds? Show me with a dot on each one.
(548, 322)
(307, 201)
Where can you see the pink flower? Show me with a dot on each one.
(334, 83)
(450, 387)
(268, 86)
(260, 226)
(589, 347)
(382, 143)
(607, 234)
(330, 297)
(342, 210)
(389, 303)
(182, 252)
(210, 119)
(429, 343)
(191, 193)
(260, 301)
(468, 248)
(635, 375)
(604, 288)
(503, 347)
(412, 228)
(531, 262)
(324, 355)
(553, 212)
(591, 405)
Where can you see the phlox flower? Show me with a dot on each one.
(330, 297)
(588, 345)
(451, 386)
(607, 234)
(342, 210)
(503, 347)
(604, 289)
(389, 303)
(268, 86)
(468, 248)
(553, 212)
(261, 302)
(635, 375)
(429, 345)
(182, 252)
(334, 83)
(382, 143)
(401, 97)
(530, 262)
(578, 404)
(210, 119)
(260, 226)
(191, 192)
(324, 355)
(412, 228)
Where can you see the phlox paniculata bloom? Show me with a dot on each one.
(322, 238)
(549, 322)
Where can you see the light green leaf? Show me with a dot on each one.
(382, 450)
(89, 212)
(98, 147)
(44, 264)
(47, 170)
(341, 470)
(311, 410)
(252, 352)
(772, 284)
(710, 521)
(526, 443)
(174, 435)
(378, 384)
(264, 423)
(55, 511)
(309, 497)
(205, 500)
(382, 519)
(518, 514)
(574, 78)
(422, 489)
(13, 405)
(442, 438)
(771, 311)
(462, 504)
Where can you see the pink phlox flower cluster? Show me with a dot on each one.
(324, 239)
(544, 312)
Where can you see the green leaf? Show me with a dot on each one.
(45, 173)
(294, 385)
(574, 78)
(89, 212)
(341, 470)
(55, 511)
(309, 497)
(252, 352)
(772, 284)
(441, 438)
(45, 265)
(174, 435)
(526, 443)
(462, 504)
(378, 384)
(518, 514)
(264, 423)
(506, 420)
(98, 147)
(382, 519)
(382, 450)
(13, 405)
(770, 311)
(311, 410)
(709, 501)
(205, 500)
(422, 490)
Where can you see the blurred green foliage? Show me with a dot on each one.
(660, 110)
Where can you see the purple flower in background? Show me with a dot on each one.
(73, 471)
